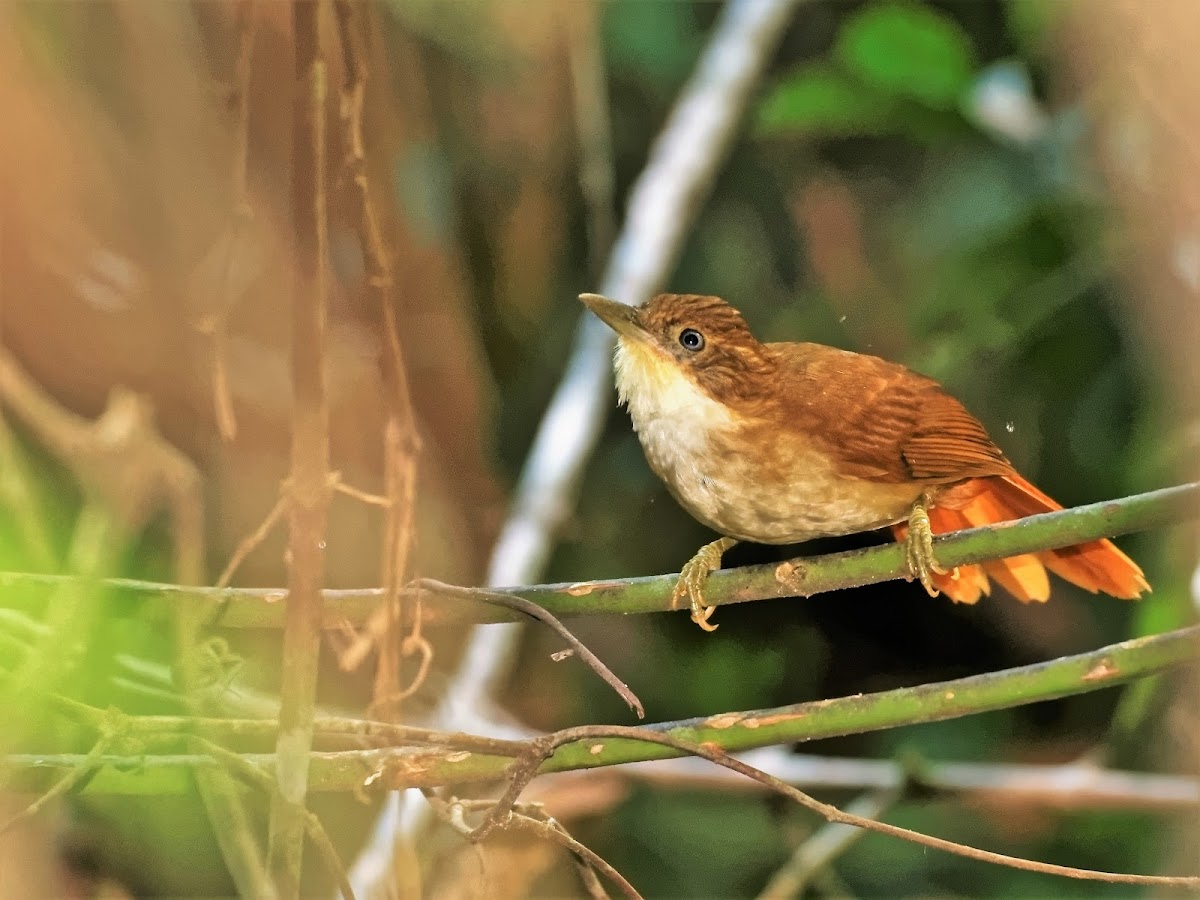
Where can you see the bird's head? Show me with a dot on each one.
(678, 343)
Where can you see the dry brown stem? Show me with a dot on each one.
(401, 443)
(309, 490)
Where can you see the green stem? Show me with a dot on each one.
(804, 576)
(391, 768)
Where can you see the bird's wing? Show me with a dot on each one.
(884, 422)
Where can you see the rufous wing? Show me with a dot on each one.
(881, 421)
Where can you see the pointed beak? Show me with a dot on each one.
(620, 317)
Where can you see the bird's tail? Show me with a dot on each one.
(1097, 566)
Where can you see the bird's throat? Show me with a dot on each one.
(662, 396)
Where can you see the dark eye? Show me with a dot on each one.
(691, 339)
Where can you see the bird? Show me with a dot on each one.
(780, 443)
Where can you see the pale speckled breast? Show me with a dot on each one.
(732, 495)
(690, 440)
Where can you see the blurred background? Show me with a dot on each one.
(1002, 194)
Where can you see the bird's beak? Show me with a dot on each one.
(620, 317)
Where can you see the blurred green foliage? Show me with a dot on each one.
(874, 203)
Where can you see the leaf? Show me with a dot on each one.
(821, 101)
(908, 50)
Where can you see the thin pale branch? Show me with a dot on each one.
(1076, 785)
(828, 843)
(693, 145)
(665, 201)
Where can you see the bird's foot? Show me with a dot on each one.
(919, 548)
(692, 577)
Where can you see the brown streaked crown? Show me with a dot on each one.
(732, 362)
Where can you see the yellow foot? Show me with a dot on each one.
(691, 580)
(919, 548)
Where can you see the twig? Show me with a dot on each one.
(69, 781)
(309, 491)
(213, 728)
(827, 844)
(401, 442)
(387, 769)
(312, 824)
(510, 601)
(834, 815)
(553, 831)
(533, 820)
(525, 769)
(251, 542)
(254, 540)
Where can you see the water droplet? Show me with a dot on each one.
(321, 544)
(1010, 427)
(841, 320)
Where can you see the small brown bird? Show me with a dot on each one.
(780, 443)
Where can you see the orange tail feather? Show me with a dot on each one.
(1097, 566)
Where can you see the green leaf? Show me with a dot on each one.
(818, 101)
(908, 50)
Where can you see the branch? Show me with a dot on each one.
(804, 576)
(399, 768)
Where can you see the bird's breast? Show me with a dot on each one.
(742, 477)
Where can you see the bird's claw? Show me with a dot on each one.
(692, 577)
(918, 549)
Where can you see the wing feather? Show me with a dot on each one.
(893, 425)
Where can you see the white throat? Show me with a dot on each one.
(672, 415)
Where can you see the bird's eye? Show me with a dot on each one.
(691, 339)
